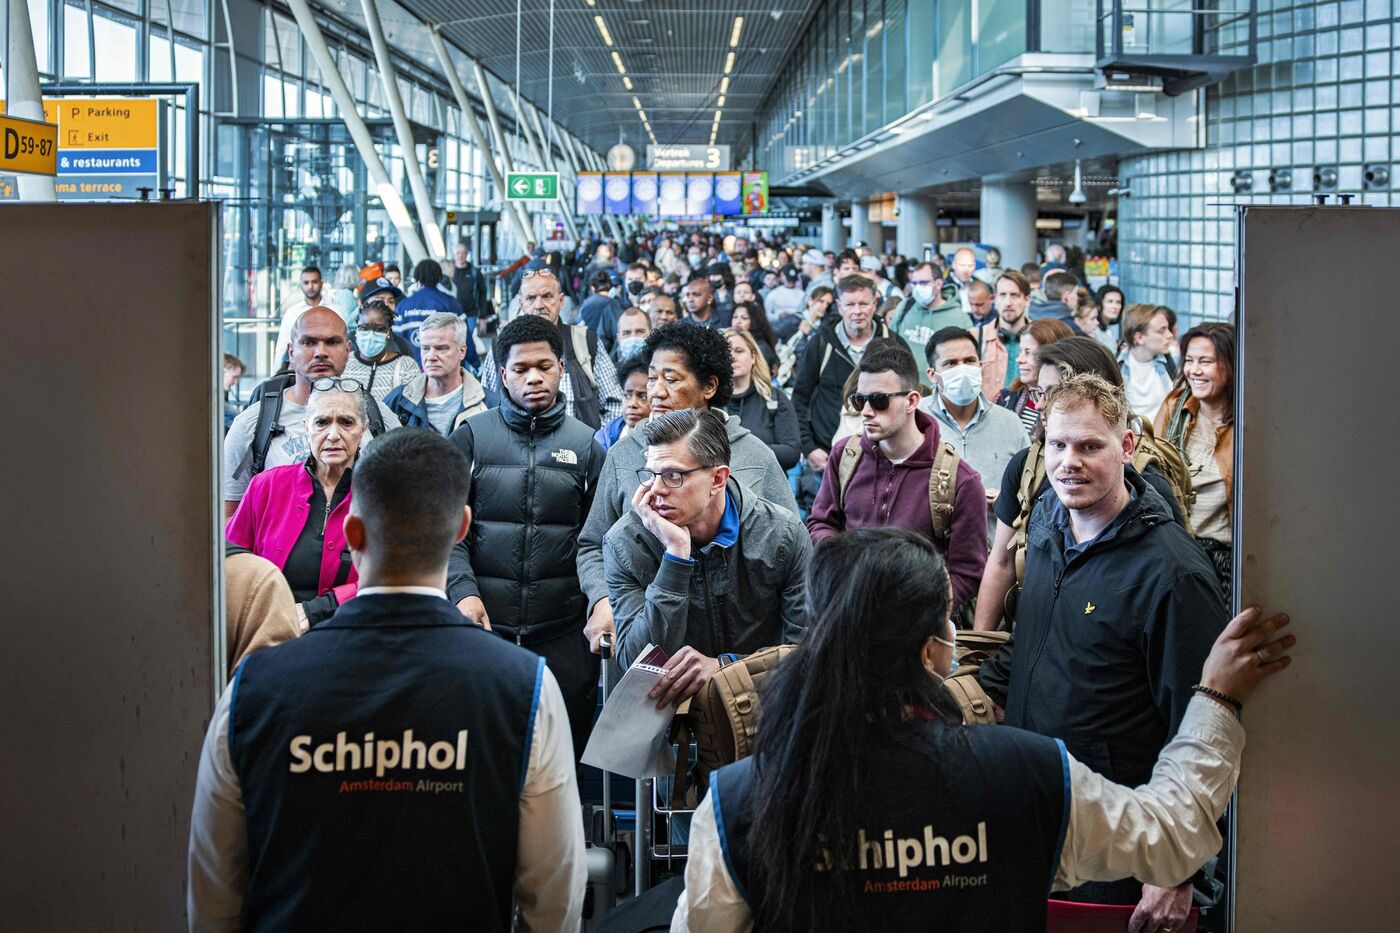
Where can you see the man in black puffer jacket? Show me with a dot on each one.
(534, 472)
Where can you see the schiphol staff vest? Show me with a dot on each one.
(381, 758)
(977, 854)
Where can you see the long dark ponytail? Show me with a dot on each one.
(874, 598)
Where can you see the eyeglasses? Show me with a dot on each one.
(878, 400)
(531, 273)
(673, 478)
(335, 382)
(1036, 395)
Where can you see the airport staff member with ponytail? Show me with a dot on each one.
(398, 767)
(868, 805)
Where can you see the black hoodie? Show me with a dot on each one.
(1108, 644)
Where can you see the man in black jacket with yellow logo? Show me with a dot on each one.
(534, 471)
(1119, 611)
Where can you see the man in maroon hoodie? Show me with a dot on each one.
(890, 485)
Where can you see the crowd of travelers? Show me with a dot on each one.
(451, 500)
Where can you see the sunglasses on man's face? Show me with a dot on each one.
(878, 400)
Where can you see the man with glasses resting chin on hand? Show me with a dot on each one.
(701, 566)
(886, 478)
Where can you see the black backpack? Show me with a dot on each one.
(268, 398)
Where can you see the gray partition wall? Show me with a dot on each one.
(108, 563)
(1317, 525)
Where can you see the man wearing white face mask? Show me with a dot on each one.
(987, 436)
(929, 308)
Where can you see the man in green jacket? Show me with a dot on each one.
(931, 306)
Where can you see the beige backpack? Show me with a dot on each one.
(722, 718)
(942, 484)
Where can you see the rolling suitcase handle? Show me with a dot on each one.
(604, 835)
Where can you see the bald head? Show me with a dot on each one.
(964, 264)
(320, 344)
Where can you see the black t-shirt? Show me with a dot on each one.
(1008, 505)
(303, 567)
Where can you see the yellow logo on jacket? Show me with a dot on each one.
(1089, 607)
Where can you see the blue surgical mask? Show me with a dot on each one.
(961, 384)
(629, 346)
(923, 294)
(370, 342)
(952, 665)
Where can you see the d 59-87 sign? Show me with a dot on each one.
(28, 146)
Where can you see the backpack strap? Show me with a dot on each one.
(826, 355)
(1032, 475)
(942, 486)
(846, 469)
(231, 549)
(900, 312)
(269, 412)
(976, 706)
(376, 417)
(583, 353)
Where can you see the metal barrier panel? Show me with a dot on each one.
(109, 567)
(1318, 836)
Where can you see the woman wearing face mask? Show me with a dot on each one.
(869, 805)
(751, 319)
(1199, 418)
(763, 409)
(376, 362)
(292, 515)
(1111, 304)
(1023, 396)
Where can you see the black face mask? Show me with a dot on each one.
(635, 288)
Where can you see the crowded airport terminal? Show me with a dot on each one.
(699, 465)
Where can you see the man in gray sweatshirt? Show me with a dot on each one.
(688, 367)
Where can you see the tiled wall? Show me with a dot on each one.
(1326, 91)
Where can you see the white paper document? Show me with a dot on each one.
(630, 735)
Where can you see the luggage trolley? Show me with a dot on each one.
(664, 852)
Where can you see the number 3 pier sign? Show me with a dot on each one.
(28, 146)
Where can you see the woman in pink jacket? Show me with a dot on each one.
(293, 515)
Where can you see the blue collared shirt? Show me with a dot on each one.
(726, 536)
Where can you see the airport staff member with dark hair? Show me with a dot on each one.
(869, 805)
(398, 767)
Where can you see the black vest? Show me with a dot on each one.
(381, 758)
(530, 498)
(981, 857)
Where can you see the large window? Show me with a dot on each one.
(115, 42)
(863, 64)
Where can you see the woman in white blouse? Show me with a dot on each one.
(868, 805)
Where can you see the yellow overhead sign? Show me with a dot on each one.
(28, 146)
(116, 123)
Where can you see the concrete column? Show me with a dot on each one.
(565, 205)
(502, 147)
(917, 225)
(464, 104)
(861, 229)
(422, 201)
(364, 143)
(832, 237)
(22, 76)
(1008, 221)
